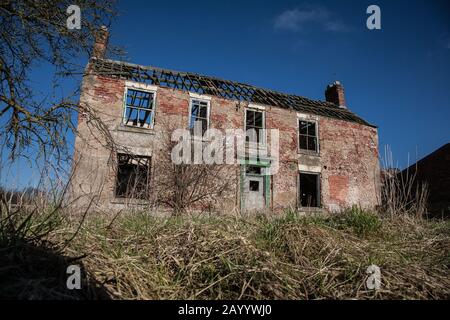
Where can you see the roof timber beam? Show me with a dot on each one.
(218, 87)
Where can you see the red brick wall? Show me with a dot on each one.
(349, 152)
(338, 185)
(348, 158)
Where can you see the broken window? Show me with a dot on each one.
(254, 126)
(254, 185)
(256, 170)
(199, 116)
(133, 176)
(139, 108)
(308, 135)
(309, 190)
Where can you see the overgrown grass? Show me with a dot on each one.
(286, 257)
(282, 257)
(361, 223)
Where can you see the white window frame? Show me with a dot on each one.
(307, 118)
(208, 109)
(261, 109)
(144, 88)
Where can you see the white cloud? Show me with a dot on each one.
(301, 19)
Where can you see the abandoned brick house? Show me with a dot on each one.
(328, 156)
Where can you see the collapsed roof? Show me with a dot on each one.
(226, 89)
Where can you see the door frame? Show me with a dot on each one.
(257, 163)
(318, 189)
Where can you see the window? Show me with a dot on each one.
(309, 190)
(254, 185)
(308, 135)
(253, 170)
(254, 121)
(139, 108)
(199, 115)
(133, 176)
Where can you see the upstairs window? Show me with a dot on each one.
(254, 126)
(308, 136)
(139, 108)
(133, 176)
(199, 116)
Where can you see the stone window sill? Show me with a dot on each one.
(134, 129)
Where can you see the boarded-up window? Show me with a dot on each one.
(133, 176)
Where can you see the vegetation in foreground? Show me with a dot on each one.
(136, 256)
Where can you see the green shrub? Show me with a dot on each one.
(363, 223)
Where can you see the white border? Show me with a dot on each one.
(305, 168)
(197, 96)
(140, 86)
(307, 116)
(256, 106)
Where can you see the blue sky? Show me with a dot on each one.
(397, 78)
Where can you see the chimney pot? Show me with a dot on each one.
(101, 42)
(335, 94)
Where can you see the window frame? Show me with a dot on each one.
(264, 137)
(149, 176)
(316, 123)
(208, 111)
(142, 88)
(264, 164)
(318, 189)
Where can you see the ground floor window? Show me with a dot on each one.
(309, 186)
(133, 176)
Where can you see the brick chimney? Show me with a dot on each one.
(101, 42)
(335, 94)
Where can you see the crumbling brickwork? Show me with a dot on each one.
(346, 161)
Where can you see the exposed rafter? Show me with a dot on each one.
(221, 88)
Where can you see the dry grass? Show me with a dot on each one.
(290, 257)
(137, 256)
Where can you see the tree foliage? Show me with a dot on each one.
(34, 33)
